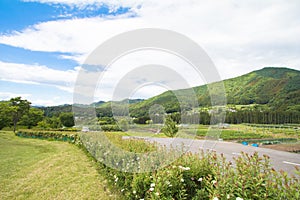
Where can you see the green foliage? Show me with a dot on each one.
(204, 175)
(109, 128)
(124, 125)
(253, 178)
(19, 107)
(32, 118)
(67, 119)
(235, 135)
(5, 114)
(276, 87)
(50, 135)
(276, 90)
(194, 176)
(51, 111)
(106, 120)
(39, 169)
(49, 123)
(170, 127)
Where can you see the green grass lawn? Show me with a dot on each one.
(39, 169)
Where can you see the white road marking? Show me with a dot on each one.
(291, 163)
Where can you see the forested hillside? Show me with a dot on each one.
(269, 95)
(277, 87)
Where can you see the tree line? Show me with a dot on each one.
(19, 112)
(236, 117)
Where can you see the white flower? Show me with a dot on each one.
(228, 196)
(184, 168)
(214, 182)
(134, 192)
(239, 198)
(215, 198)
(157, 193)
(182, 180)
(151, 189)
(152, 185)
(200, 179)
(116, 180)
(122, 190)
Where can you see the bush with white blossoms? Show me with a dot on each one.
(200, 176)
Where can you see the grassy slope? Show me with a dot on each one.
(277, 87)
(35, 169)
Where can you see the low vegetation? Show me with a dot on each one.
(267, 100)
(39, 169)
(205, 175)
(193, 176)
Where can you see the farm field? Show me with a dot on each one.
(279, 137)
(35, 169)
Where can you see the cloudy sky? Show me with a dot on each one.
(43, 43)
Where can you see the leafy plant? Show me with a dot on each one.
(170, 128)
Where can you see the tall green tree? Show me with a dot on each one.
(5, 114)
(19, 107)
(32, 118)
(67, 119)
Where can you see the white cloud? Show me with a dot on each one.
(239, 36)
(8, 95)
(39, 75)
(226, 29)
(39, 101)
(113, 4)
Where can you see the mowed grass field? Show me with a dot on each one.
(39, 169)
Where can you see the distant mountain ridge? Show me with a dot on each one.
(279, 88)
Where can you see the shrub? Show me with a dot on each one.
(204, 175)
(50, 135)
(124, 125)
(110, 128)
(170, 128)
(195, 176)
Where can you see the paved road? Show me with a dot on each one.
(280, 160)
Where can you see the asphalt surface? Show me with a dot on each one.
(280, 160)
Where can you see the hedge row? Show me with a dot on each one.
(72, 136)
(205, 175)
(192, 176)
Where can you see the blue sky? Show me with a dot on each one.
(43, 43)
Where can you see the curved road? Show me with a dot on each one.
(280, 160)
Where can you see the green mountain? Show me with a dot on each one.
(277, 88)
